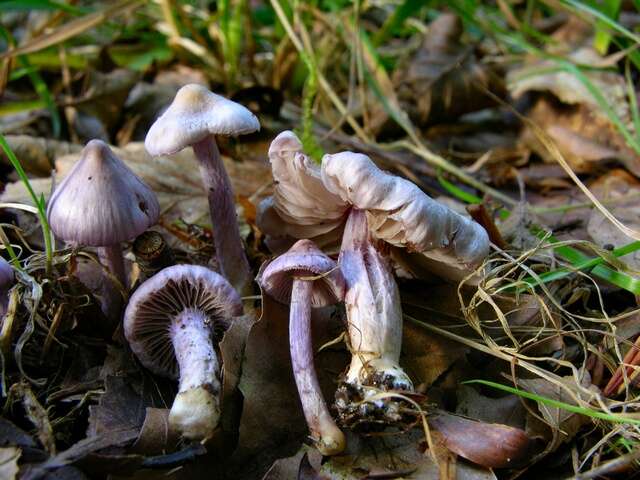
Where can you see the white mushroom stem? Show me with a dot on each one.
(328, 437)
(195, 411)
(230, 255)
(373, 310)
(111, 257)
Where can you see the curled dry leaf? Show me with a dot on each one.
(426, 356)
(396, 456)
(119, 408)
(562, 425)
(623, 189)
(36, 414)
(491, 445)
(37, 155)
(443, 79)
(579, 125)
(303, 465)
(507, 410)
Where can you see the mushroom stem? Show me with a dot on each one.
(373, 310)
(195, 411)
(230, 255)
(328, 437)
(111, 257)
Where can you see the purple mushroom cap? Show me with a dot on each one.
(303, 259)
(101, 202)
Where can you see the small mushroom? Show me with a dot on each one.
(193, 119)
(102, 203)
(304, 277)
(170, 323)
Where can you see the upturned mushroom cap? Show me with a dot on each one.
(303, 259)
(401, 214)
(155, 304)
(302, 207)
(194, 114)
(101, 202)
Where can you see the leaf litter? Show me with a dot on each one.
(520, 99)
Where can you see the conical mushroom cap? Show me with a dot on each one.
(303, 259)
(156, 303)
(194, 114)
(101, 202)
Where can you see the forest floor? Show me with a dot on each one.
(520, 114)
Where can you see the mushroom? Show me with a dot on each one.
(304, 277)
(102, 203)
(386, 208)
(193, 119)
(381, 211)
(169, 323)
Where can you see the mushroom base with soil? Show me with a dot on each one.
(375, 330)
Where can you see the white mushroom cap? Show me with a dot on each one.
(400, 213)
(302, 207)
(194, 114)
(101, 202)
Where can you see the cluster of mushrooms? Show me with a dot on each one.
(173, 318)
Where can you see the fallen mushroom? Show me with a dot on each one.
(193, 119)
(169, 323)
(304, 277)
(102, 203)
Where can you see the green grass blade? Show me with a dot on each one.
(38, 202)
(604, 19)
(558, 404)
(602, 40)
(406, 9)
(577, 259)
(8, 5)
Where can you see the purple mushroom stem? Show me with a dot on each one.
(328, 437)
(230, 255)
(197, 359)
(304, 277)
(111, 257)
